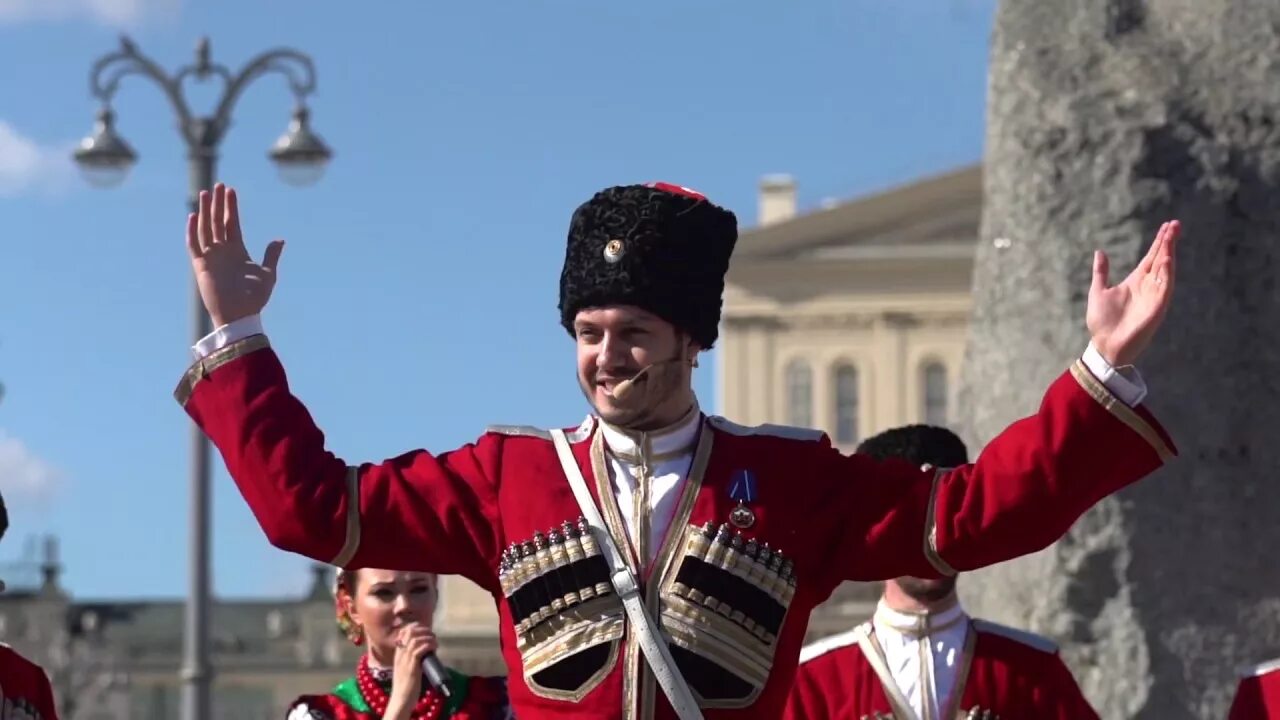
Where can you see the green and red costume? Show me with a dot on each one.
(365, 695)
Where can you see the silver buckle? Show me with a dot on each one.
(625, 584)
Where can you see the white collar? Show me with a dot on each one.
(654, 445)
(919, 624)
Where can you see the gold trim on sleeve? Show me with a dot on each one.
(201, 368)
(931, 529)
(352, 544)
(1122, 412)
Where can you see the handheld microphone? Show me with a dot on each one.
(435, 673)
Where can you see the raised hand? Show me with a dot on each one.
(1123, 319)
(231, 284)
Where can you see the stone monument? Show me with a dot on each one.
(1106, 117)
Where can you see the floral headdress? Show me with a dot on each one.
(342, 606)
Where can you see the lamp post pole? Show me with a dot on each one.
(105, 158)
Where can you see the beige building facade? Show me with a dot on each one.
(852, 319)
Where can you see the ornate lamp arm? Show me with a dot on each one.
(105, 77)
(284, 62)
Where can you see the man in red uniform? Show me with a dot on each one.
(921, 656)
(25, 692)
(728, 535)
(1258, 694)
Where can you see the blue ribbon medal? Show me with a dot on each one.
(743, 490)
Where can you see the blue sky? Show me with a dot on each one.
(417, 298)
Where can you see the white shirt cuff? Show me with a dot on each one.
(233, 331)
(1125, 383)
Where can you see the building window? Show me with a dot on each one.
(799, 394)
(846, 404)
(935, 394)
(275, 624)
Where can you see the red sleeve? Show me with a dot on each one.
(1058, 697)
(807, 700)
(434, 513)
(1249, 703)
(486, 699)
(44, 696)
(25, 684)
(1026, 489)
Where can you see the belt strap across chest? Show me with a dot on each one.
(655, 649)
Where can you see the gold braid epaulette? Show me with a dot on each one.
(200, 369)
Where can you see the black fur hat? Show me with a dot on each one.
(660, 247)
(919, 444)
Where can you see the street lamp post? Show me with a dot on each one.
(105, 158)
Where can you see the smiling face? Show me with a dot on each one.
(383, 601)
(614, 345)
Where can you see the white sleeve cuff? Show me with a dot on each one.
(233, 331)
(1125, 383)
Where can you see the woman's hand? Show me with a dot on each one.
(413, 644)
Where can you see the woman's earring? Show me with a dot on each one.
(354, 632)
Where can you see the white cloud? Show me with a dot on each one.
(24, 478)
(27, 166)
(115, 13)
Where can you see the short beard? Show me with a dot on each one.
(641, 407)
(927, 591)
(629, 418)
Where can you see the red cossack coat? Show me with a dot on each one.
(732, 600)
(1012, 674)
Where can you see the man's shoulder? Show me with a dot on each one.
(1021, 637)
(833, 645)
(1268, 669)
(767, 430)
(8, 653)
(576, 434)
(13, 662)
(724, 425)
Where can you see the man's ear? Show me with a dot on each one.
(691, 351)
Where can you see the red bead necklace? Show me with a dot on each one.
(429, 705)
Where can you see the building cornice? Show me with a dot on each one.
(847, 320)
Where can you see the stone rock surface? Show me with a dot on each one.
(1106, 117)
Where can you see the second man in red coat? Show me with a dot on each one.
(921, 656)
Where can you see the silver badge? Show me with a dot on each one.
(613, 251)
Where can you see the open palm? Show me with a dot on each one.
(232, 285)
(1123, 319)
